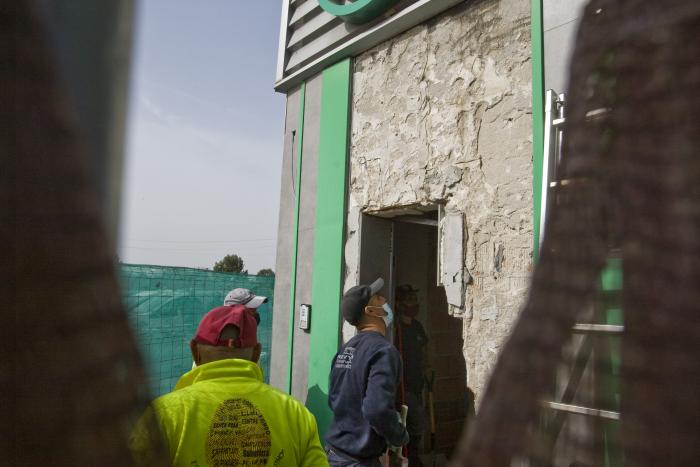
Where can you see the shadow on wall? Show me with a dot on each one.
(317, 403)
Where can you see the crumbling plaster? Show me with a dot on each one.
(442, 113)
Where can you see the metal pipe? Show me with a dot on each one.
(580, 410)
(598, 329)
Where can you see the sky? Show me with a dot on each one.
(204, 134)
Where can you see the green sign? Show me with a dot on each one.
(357, 11)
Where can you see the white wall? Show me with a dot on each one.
(561, 20)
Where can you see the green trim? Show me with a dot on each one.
(537, 38)
(293, 282)
(359, 11)
(329, 236)
(609, 376)
(611, 277)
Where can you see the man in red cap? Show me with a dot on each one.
(221, 412)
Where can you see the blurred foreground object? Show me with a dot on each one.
(91, 41)
(628, 191)
(71, 377)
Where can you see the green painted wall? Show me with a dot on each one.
(609, 373)
(537, 36)
(329, 235)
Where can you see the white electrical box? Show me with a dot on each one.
(304, 316)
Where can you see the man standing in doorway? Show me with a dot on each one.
(365, 375)
(411, 340)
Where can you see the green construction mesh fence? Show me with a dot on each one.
(165, 305)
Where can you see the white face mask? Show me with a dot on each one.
(389, 317)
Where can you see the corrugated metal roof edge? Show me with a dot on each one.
(393, 26)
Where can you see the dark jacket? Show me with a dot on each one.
(365, 374)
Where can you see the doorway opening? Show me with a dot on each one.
(404, 249)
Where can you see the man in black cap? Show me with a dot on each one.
(411, 341)
(365, 375)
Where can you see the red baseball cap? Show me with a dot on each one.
(214, 321)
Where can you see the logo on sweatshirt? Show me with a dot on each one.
(238, 435)
(344, 360)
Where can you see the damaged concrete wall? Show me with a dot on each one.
(442, 113)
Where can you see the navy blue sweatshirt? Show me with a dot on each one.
(364, 376)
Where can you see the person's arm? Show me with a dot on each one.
(425, 360)
(378, 403)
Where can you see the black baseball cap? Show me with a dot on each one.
(356, 299)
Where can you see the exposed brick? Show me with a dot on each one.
(447, 433)
(450, 389)
(448, 344)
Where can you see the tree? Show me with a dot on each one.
(230, 263)
(266, 272)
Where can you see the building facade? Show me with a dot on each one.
(412, 151)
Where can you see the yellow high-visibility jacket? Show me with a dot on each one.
(221, 413)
